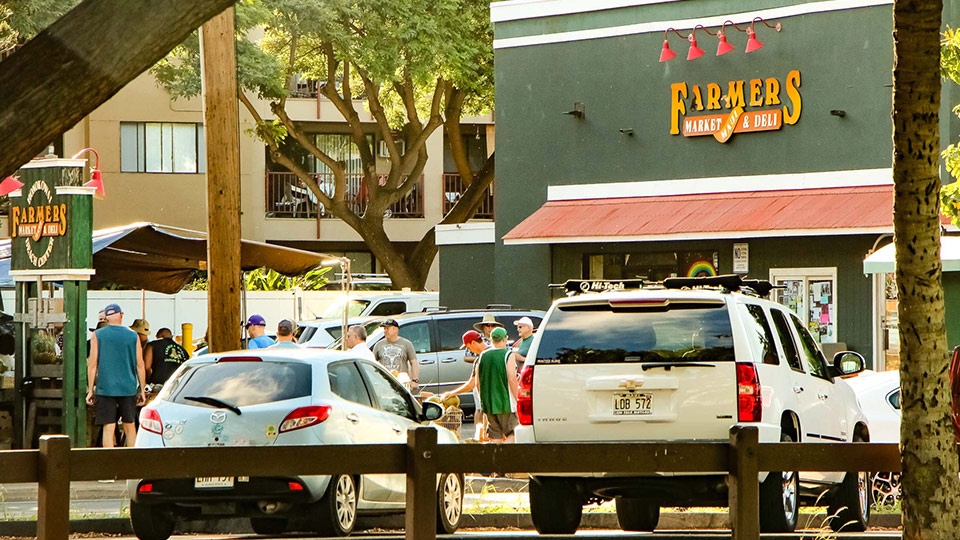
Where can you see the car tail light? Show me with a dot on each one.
(305, 417)
(525, 396)
(150, 421)
(294, 486)
(749, 402)
(145, 488)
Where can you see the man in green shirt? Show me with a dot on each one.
(497, 382)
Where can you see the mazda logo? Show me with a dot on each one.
(218, 417)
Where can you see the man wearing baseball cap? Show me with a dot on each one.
(397, 353)
(498, 385)
(116, 377)
(472, 342)
(256, 329)
(285, 339)
(522, 345)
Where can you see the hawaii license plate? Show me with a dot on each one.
(213, 482)
(632, 403)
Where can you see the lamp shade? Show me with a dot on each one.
(666, 53)
(752, 42)
(9, 185)
(96, 181)
(694, 52)
(723, 47)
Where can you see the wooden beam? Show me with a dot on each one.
(221, 111)
(80, 61)
(53, 495)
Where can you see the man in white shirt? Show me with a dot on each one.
(357, 341)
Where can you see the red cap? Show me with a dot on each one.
(470, 336)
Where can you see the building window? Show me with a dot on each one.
(154, 147)
(811, 293)
(655, 266)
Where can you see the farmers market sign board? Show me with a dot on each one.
(50, 221)
(748, 106)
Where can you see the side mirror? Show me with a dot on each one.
(431, 411)
(848, 362)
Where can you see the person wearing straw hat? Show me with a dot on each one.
(485, 326)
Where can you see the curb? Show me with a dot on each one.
(591, 520)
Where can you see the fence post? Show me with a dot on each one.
(421, 514)
(53, 500)
(744, 485)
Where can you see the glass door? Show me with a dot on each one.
(811, 293)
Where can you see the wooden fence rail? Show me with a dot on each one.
(55, 465)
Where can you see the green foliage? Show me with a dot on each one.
(20, 20)
(950, 69)
(265, 279)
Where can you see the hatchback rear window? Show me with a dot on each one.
(245, 383)
(597, 334)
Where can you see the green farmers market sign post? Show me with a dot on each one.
(51, 230)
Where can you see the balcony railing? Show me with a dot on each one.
(288, 197)
(453, 188)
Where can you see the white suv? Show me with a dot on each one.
(684, 361)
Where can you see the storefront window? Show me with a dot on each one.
(811, 294)
(655, 266)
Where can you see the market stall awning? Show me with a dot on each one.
(881, 261)
(164, 259)
(796, 212)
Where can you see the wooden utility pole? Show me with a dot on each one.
(218, 61)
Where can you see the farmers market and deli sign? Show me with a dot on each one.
(747, 106)
(50, 221)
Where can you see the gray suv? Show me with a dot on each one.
(437, 338)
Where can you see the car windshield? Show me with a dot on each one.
(598, 334)
(243, 383)
(356, 307)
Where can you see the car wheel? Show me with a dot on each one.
(449, 503)
(336, 511)
(850, 509)
(555, 506)
(151, 521)
(780, 499)
(886, 488)
(269, 526)
(637, 515)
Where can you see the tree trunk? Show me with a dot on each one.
(930, 487)
(80, 61)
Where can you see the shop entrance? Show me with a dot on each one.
(811, 293)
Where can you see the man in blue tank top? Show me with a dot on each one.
(115, 377)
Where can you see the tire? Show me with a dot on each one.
(268, 526)
(152, 521)
(850, 509)
(780, 499)
(637, 515)
(449, 503)
(336, 512)
(555, 506)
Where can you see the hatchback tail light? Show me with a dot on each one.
(749, 401)
(304, 417)
(150, 421)
(525, 396)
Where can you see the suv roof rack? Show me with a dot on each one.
(730, 282)
(580, 286)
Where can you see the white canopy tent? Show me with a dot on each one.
(881, 261)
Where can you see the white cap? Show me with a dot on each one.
(524, 320)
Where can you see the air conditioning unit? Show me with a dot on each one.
(382, 150)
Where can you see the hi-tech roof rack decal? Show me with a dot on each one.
(579, 286)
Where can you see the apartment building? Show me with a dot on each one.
(153, 159)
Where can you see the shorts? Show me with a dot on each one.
(110, 408)
(501, 426)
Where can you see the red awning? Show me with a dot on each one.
(796, 212)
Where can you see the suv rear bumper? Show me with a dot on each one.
(661, 490)
(769, 433)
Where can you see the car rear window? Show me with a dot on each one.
(597, 334)
(245, 383)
